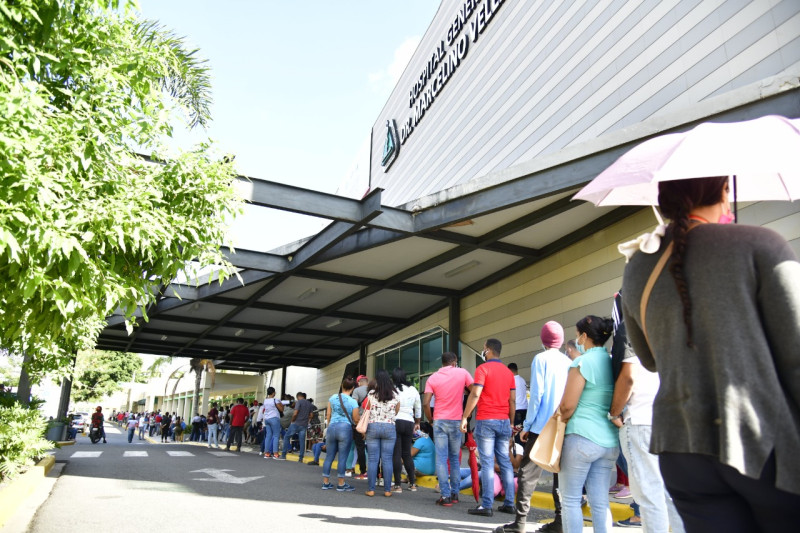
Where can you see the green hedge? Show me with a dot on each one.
(22, 441)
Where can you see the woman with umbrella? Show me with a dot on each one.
(724, 335)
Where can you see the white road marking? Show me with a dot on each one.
(134, 454)
(79, 455)
(176, 453)
(223, 454)
(222, 476)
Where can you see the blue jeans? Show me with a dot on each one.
(657, 510)
(273, 428)
(295, 429)
(584, 462)
(337, 443)
(492, 437)
(131, 431)
(447, 439)
(380, 447)
(317, 449)
(213, 435)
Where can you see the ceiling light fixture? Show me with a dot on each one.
(239, 332)
(460, 269)
(335, 323)
(308, 293)
(462, 223)
(269, 347)
(195, 306)
(163, 337)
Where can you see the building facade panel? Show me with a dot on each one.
(546, 75)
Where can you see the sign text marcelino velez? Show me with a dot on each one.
(463, 29)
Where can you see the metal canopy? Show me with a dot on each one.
(372, 271)
(376, 269)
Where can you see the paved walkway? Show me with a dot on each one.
(110, 486)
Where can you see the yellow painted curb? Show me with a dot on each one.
(13, 494)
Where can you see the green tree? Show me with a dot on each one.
(10, 365)
(87, 226)
(197, 366)
(154, 370)
(99, 373)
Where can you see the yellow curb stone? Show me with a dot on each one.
(15, 492)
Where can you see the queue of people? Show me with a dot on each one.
(704, 431)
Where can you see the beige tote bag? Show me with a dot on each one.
(546, 451)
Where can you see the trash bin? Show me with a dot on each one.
(56, 431)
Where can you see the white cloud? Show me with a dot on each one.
(390, 75)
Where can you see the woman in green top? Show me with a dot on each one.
(591, 445)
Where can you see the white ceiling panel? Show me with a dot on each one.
(314, 293)
(385, 261)
(465, 270)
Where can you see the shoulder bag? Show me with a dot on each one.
(363, 422)
(349, 418)
(546, 451)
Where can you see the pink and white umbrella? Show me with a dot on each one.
(762, 155)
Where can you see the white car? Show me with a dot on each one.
(79, 421)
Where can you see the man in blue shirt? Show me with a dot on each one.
(548, 378)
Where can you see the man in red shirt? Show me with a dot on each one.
(239, 414)
(494, 395)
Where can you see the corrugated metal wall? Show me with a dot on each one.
(545, 75)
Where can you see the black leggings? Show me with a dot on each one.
(711, 496)
(402, 451)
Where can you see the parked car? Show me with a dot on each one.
(79, 421)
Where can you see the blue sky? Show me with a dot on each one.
(296, 86)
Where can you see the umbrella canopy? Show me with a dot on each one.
(762, 154)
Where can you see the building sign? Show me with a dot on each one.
(391, 145)
(466, 25)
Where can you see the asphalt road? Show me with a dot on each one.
(133, 487)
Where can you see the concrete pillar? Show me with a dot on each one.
(204, 400)
(261, 387)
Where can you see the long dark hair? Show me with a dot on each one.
(384, 388)
(399, 378)
(676, 200)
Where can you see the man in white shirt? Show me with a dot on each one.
(632, 412)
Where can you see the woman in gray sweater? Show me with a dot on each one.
(722, 328)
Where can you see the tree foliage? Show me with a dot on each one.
(100, 373)
(22, 440)
(87, 226)
(198, 365)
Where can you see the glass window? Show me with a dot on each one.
(379, 361)
(431, 348)
(409, 358)
(391, 360)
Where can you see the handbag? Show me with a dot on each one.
(546, 451)
(363, 422)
